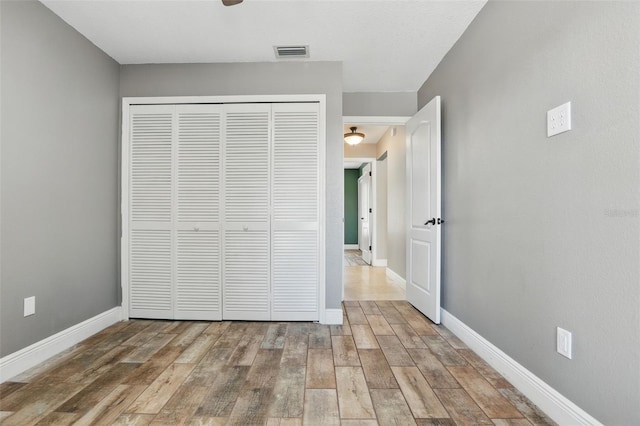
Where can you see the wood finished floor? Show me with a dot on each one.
(364, 282)
(354, 258)
(387, 364)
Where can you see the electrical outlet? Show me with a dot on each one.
(563, 342)
(29, 306)
(559, 119)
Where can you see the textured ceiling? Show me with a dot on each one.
(385, 45)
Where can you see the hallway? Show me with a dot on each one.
(364, 282)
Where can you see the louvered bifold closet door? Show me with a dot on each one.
(246, 212)
(150, 211)
(295, 220)
(198, 174)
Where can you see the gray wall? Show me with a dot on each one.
(59, 176)
(263, 79)
(381, 104)
(544, 232)
(395, 147)
(381, 209)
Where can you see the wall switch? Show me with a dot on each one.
(563, 342)
(559, 119)
(29, 306)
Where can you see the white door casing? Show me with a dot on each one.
(424, 209)
(364, 213)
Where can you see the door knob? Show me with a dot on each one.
(431, 221)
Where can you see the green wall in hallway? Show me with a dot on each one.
(351, 206)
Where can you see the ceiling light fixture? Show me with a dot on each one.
(353, 138)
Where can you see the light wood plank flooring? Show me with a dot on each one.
(364, 282)
(387, 364)
(353, 258)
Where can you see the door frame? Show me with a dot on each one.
(379, 120)
(123, 175)
(371, 206)
(372, 201)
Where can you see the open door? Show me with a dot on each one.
(364, 213)
(424, 208)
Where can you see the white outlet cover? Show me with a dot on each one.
(29, 306)
(559, 119)
(563, 342)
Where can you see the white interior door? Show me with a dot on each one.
(246, 288)
(150, 211)
(197, 290)
(424, 208)
(222, 211)
(364, 213)
(174, 242)
(295, 216)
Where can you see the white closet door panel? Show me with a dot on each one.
(295, 275)
(295, 220)
(150, 270)
(295, 163)
(198, 163)
(246, 275)
(246, 163)
(197, 288)
(151, 163)
(197, 285)
(150, 273)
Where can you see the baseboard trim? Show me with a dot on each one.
(333, 317)
(393, 274)
(379, 262)
(351, 247)
(22, 360)
(554, 404)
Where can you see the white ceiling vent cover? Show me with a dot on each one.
(291, 52)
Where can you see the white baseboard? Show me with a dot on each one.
(379, 262)
(333, 317)
(22, 360)
(394, 275)
(351, 247)
(554, 404)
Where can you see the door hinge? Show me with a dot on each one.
(370, 174)
(369, 248)
(370, 211)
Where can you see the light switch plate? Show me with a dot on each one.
(563, 342)
(559, 119)
(29, 306)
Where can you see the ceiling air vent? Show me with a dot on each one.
(286, 52)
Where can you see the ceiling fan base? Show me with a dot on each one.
(231, 2)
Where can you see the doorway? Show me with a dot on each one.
(367, 273)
